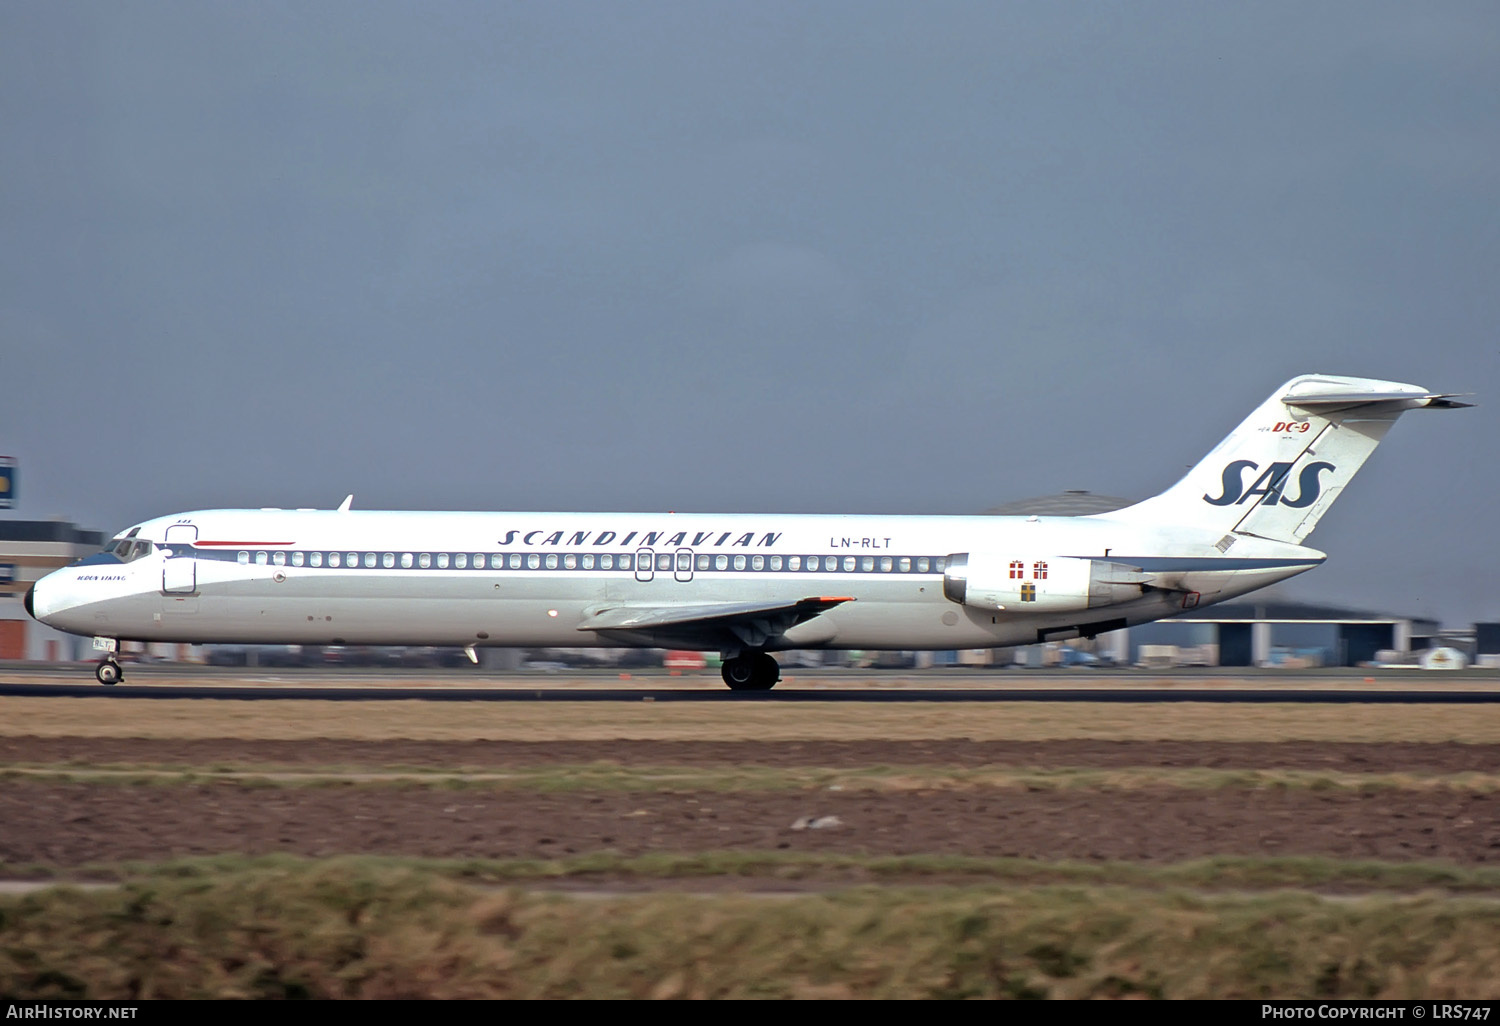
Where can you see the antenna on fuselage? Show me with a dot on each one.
(344, 506)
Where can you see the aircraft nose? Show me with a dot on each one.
(27, 601)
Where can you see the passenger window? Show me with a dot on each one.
(515, 561)
(279, 558)
(885, 564)
(705, 561)
(570, 561)
(921, 564)
(775, 562)
(867, 563)
(388, 560)
(939, 564)
(606, 561)
(757, 562)
(588, 561)
(244, 557)
(315, 559)
(479, 561)
(905, 564)
(625, 560)
(721, 562)
(333, 559)
(684, 560)
(296, 559)
(551, 561)
(424, 561)
(497, 562)
(830, 562)
(260, 558)
(442, 560)
(794, 562)
(352, 560)
(848, 562)
(461, 561)
(533, 561)
(663, 561)
(739, 562)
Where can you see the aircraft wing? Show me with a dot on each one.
(721, 625)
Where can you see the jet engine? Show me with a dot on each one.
(1040, 584)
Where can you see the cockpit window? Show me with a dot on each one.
(129, 547)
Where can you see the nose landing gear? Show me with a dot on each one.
(753, 671)
(108, 669)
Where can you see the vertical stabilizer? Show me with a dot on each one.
(1279, 471)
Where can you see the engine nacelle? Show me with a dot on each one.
(1039, 584)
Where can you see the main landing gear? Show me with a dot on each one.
(752, 671)
(108, 671)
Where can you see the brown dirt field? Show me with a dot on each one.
(67, 824)
(1349, 757)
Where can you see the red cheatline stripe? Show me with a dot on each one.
(834, 598)
(241, 544)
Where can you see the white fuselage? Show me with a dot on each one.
(532, 579)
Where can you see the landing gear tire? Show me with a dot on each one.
(108, 672)
(753, 672)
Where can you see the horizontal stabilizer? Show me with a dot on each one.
(1326, 401)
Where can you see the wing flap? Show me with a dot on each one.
(637, 618)
(710, 625)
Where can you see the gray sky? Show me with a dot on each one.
(709, 256)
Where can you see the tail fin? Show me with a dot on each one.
(1279, 471)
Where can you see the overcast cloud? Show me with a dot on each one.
(803, 256)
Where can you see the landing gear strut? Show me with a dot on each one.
(108, 671)
(753, 671)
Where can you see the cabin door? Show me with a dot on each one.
(179, 572)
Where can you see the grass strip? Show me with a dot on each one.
(1218, 873)
(345, 929)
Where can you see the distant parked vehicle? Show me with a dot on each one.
(1077, 657)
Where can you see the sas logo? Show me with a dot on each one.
(1269, 484)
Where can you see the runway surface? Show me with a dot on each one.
(576, 694)
(798, 684)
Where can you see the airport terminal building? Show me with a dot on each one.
(1294, 635)
(30, 549)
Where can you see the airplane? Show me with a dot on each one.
(745, 585)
